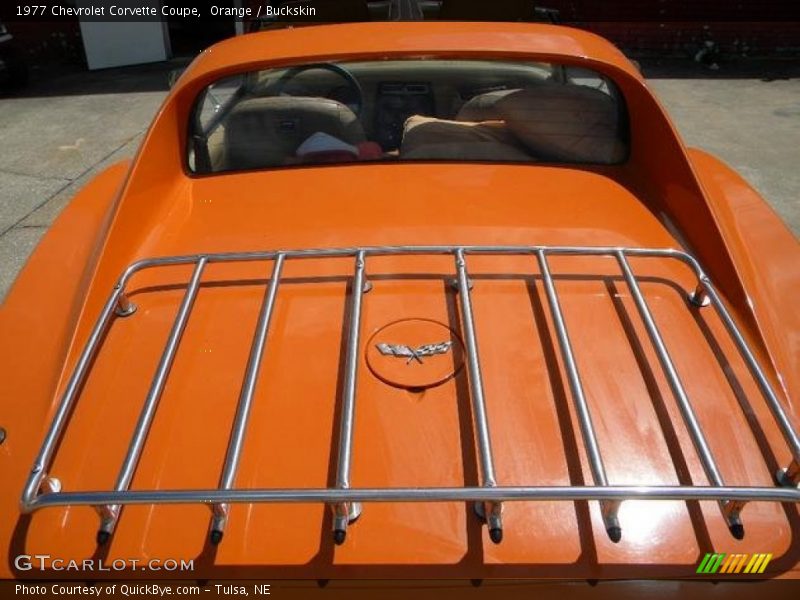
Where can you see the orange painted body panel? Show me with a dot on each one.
(659, 198)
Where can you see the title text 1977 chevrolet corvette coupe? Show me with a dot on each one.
(404, 300)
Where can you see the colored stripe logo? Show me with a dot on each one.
(733, 564)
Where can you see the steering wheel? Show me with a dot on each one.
(339, 70)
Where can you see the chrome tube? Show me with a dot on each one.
(446, 494)
(608, 511)
(110, 514)
(242, 417)
(491, 512)
(790, 475)
(689, 417)
(42, 461)
(345, 512)
(405, 250)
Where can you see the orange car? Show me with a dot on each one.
(366, 288)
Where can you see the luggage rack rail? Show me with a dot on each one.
(43, 490)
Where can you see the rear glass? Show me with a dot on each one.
(408, 110)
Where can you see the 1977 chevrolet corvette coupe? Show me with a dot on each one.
(399, 300)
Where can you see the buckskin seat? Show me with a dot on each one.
(555, 121)
(571, 123)
(440, 139)
(262, 132)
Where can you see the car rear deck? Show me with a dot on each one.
(511, 338)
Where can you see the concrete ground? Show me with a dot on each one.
(55, 135)
(747, 114)
(59, 132)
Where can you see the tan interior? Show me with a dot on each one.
(559, 122)
(262, 132)
(483, 107)
(523, 114)
(216, 149)
(430, 138)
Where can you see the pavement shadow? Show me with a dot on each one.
(50, 81)
(764, 69)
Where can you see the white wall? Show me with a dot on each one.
(115, 44)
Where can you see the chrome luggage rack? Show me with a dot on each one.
(42, 490)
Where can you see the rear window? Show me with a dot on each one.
(408, 110)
